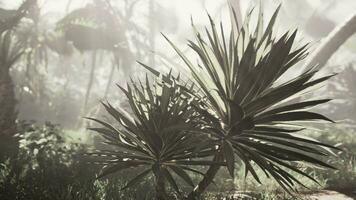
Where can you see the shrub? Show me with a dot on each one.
(251, 105)
(46, 167)
(161, 138)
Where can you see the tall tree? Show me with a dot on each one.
(10, 52)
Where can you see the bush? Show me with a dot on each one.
(50, 167)
(345, 177)
(45, 166)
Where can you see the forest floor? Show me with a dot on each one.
(312, 195)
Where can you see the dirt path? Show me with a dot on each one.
(310, 195)
(332, 195)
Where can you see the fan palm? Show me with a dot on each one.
(248, 105)
(161, 138)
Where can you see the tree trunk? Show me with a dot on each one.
(161, 193)
(208, 178)
(114, 63)
(160, 189)
(8, 114)
(90, 83)
(332, 43)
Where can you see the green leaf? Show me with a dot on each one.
(117, 168)
(291, 116)
(295, 106)
(229, 157)
(137, 179)
(153, 71)
(268, 31)
(171, 180)
(181, 173)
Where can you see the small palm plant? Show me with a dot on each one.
(160, 138)
(248, 105)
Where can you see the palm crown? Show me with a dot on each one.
(161, 136)
(250, 111)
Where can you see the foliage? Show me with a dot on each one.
(49, 166)
(345, 107)
(162, 137)
(45, 166)
(245, 114)
(250, 104)
(243, 101)
(345, 177)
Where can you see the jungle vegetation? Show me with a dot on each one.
(92, 106)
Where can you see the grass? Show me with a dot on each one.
(43, 174)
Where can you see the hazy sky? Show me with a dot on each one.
(173, 19)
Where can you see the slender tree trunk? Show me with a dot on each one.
(160, 189)
(115, 63)
(90, 83)
(8, 114)
(208, 178)
(332, 43)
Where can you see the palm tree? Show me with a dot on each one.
(248, 103)
(160, 137)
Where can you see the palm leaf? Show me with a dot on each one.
(246, 104)
(163, 130)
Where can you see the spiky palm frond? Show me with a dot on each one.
(248, 104)
(161, 136)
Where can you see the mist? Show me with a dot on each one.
(72, 68)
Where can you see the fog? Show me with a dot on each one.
(73, 55)
(55, 89)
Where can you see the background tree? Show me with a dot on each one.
(332, 42)
(10, 52)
